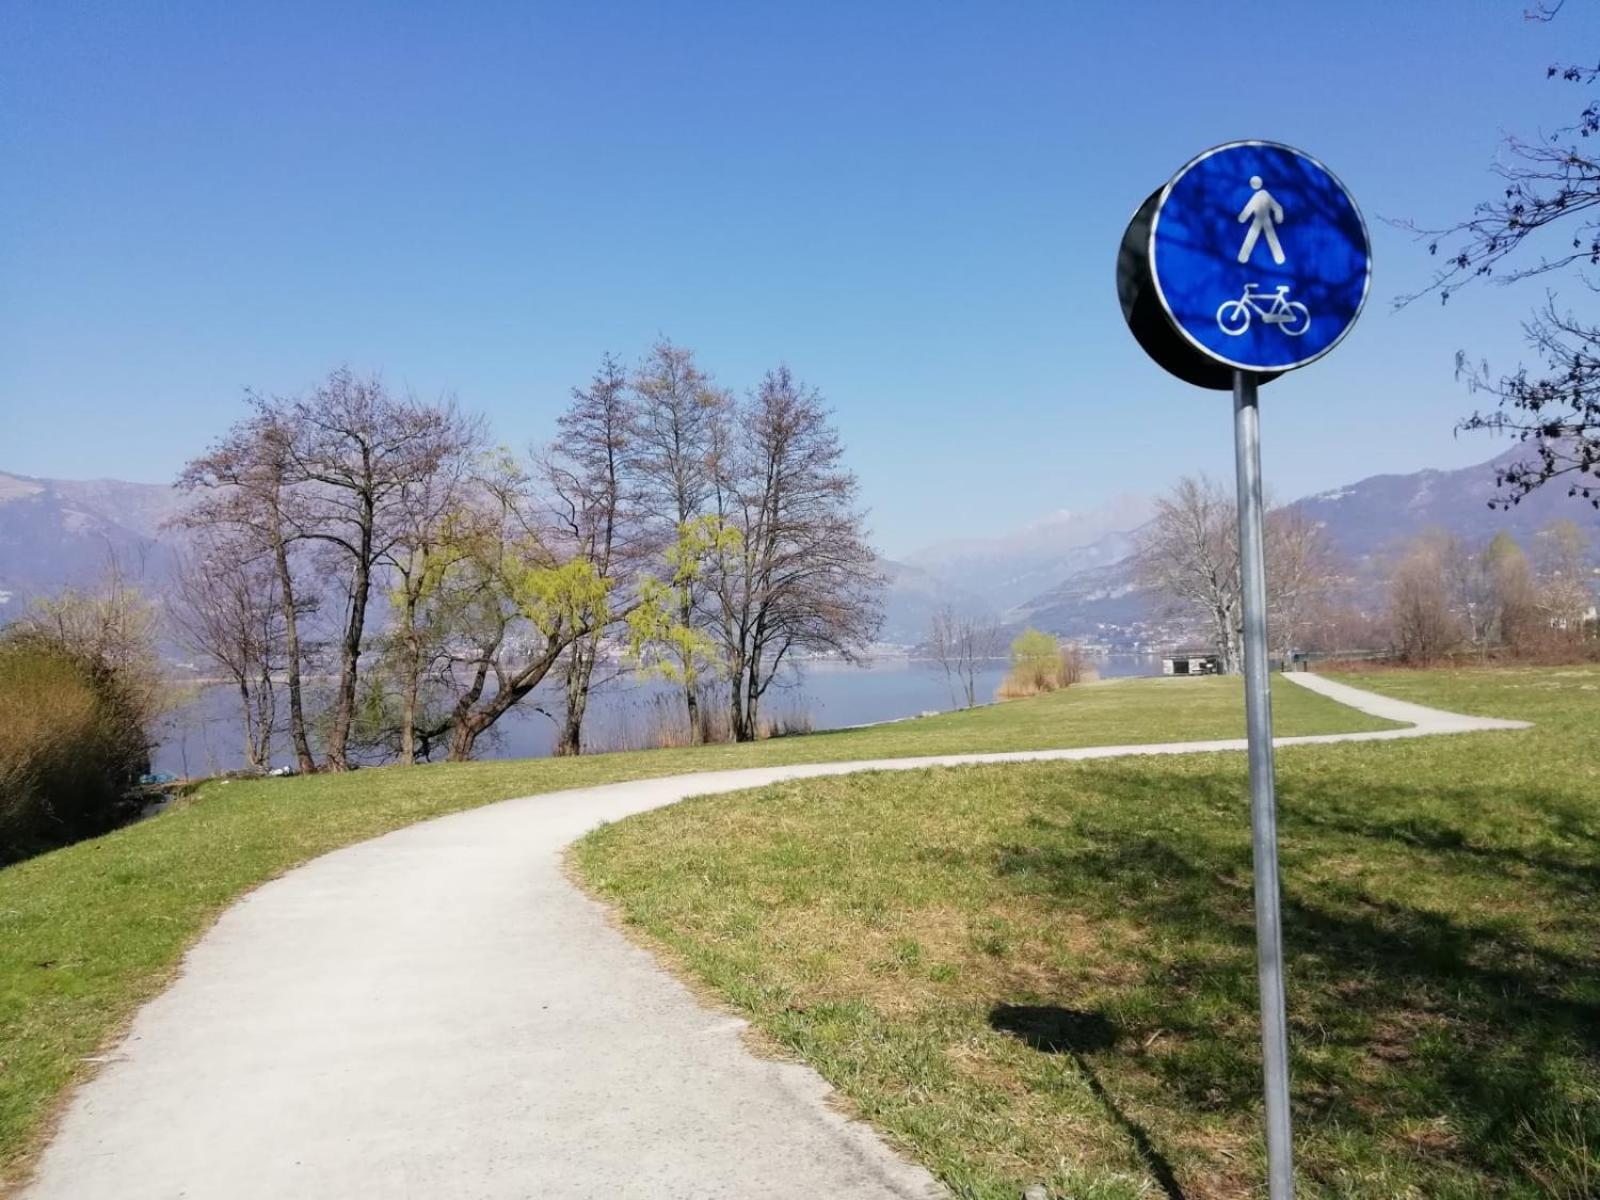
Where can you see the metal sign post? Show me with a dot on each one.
(1251, 261)
(1263, 799)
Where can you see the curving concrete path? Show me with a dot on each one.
(438, 1013)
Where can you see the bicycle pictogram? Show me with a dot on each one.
(1274, 308)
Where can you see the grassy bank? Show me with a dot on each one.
(89, 932)
(1046, 972)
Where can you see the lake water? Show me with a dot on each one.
(203, 736)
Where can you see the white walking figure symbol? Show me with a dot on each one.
(1265, 214)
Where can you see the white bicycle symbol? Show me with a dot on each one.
(1292, 317)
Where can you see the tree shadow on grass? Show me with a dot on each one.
(1054, 1030)
(1370, 960)
(1324, 809)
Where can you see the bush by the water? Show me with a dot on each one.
(72, 745)
(1039, 664)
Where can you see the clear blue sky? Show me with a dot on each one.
(917, 206)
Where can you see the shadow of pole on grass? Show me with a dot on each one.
(1052, 1029)
(1374, 959)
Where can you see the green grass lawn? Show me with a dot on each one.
(89, 932)
(1047, 972)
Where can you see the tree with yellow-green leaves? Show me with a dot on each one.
(664, 640)
(680, 430)
(512, 602)
(1035, 660)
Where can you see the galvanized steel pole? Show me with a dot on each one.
(1263, 804)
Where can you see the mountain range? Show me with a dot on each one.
(1070, 573)
(57, 533)
(1096, 597)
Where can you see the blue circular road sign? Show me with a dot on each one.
(1259, 257)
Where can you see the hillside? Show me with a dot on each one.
(1069, 572)
(1368, 521)
(55, 533)
(1007, 569)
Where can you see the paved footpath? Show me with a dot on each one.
(439, 1013)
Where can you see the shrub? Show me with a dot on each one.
(1075, 666)
(1035, 660)
(72, 745)
(1041, 664)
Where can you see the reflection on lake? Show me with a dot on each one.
(203, 737)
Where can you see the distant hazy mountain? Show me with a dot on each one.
(1369, 521)
(55, 533)
(1102, 606)
(1006, 570)
(913, 596)
(1069, 572)
(1372, 518)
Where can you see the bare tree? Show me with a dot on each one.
(1075, 666)
(799, 576)
(594, 499)
(676, 441)
(226, 609)
(1544, 220)
(1424, 625)
(1302, 567)
(1189, 553)
(1515, 597)
(942, 644)
(1469, 586)
(355, 453)
(979, 642)
(1556, 415)
(1490, 588)
(1564, 578)
(242, 488)
(961, 642)
(418, 555)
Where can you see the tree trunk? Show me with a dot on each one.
(468, 722)
(252, 755)
(291, 638)
(691, 697)
(344, 706)
(736, 701)
(408, 721)
(412, 683)
(691, 704)
(266, 716)
(1227, 640)
(735, 687)
(750, 725)
(580, 669)
(464, 735)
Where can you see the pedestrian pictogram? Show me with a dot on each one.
(1265, 214)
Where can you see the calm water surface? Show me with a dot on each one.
(203, 736)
